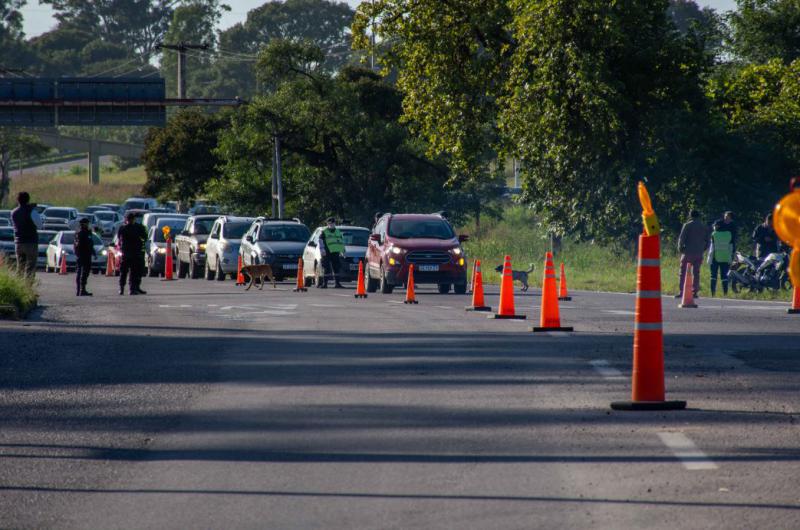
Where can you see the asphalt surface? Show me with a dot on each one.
(200, 405)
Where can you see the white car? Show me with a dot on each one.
(278, 242)
(65, 217)
(62, 244)
(150, 219)
(138, 203)
(356, 239)
(222, 246)
(156, 245)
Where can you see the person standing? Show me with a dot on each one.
(333, 249)
(131, 237)
(765, 238)
(720, 256)
(84, 252)
(692, 243)
(26, 236)
(729, 225)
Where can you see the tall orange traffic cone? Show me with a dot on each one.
(647, 392)
(795, 309)
(168, 264)
(109, 264)
(506, 310)
(63, 268)
(550, 320)
(361, 292)
(239, 275)
(477, 290)
(688, 289)
(300, 287)
(563, 294)
(411, 297)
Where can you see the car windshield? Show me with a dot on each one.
(45, 237)
(420, 228)
(356, 238)
(174, 228)
(68, 238)
(235, 230)
(202, 227)
(134, 205)
(50, 212)
(105, 216)
(6, 235)
(283, 233)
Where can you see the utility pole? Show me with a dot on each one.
(181, 48)
(277, 181)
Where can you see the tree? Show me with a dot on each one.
(15, 144)
(180, 158)
(766, 29)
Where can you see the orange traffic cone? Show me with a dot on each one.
(550, 319)
(477, 290)
(361, 292)
(795, 309)
(168, 264)
(410, 296)
(109, 264)
(63, 268)
(239, 275)
(647, 391)
(506, 310)
(688, 289)
(301, 281)
(563, 294)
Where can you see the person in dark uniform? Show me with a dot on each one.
(84, 252)
(132, 236)
(333, 251)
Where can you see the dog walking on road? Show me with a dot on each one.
(518, 276)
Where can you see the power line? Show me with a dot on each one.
(123, 65)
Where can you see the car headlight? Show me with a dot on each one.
(456, 251)
(201, 247)
(397, 250)
(392, 261)
(104, 253)
(161, 250)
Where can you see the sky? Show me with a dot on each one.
(39, 18)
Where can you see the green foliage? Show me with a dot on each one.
(15, 145)
(180, 158)
(16, 291)
(766, 29)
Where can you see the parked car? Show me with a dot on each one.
(98, 208)
(108, 222)
(278, 242)
(115, 253)
(60, 216)
(92, 220)
(190, 245)
(62, 245)
(45, 236)
(155, 247)
(5, 222)
(5, 214)
(150, 219)
(7, 246)
(42, 207)
(356, 239)
(222, 246)
(426, 240)
(138, 203)
(112, 206)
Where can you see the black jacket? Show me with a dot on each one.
(84, 245)
(24, 227)
(131, 240)
(766, 240)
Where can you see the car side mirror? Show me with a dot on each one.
(312, 244)
(249, 239)
(375, 237)
(462, 238)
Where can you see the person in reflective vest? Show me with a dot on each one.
(332, 252)
(720, 256)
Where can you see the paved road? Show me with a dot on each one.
(203, 406)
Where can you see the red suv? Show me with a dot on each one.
(426, 240)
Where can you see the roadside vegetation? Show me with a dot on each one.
(589, 265)
(70, 188)
(15, 292)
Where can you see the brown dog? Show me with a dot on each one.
(260, 272)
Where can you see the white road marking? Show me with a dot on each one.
(442, 307)
(604, 369)
(394, 301)
(212, 305)
(323, 305)
(185, 305)
(618, 311)
(343, 295)
(686, 451)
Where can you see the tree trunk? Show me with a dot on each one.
(5, 181)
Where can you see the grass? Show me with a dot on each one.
(588, 266)
(71, 188)
(16, 292)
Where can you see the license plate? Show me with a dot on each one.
(428, 268)
(354, 266)
(290, 266)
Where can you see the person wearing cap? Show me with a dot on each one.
(332, 248)
(131, 237)
(84, 252)
(693, 241)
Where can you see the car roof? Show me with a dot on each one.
(207, 216)
(236, 219)
(166, 220)
(70, 208)
(416, 216)
(347, 227)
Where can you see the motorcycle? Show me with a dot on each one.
(742, 274)
(748, 273)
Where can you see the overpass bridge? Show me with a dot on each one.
(93, 148)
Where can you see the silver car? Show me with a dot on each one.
(7, 247)
(45, 236)
(66, 218)
(222, 246)
(356, 239)
(156, 245)
(279, 243)
(107, 222)
(62, 246)
(150, 219)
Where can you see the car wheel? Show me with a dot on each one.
(193, 272)
(444, 288)
(183, 269)
(369, 282)
(208, 271)
(220, 274)
(151, 272)
(460, 288)
(386, 287)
